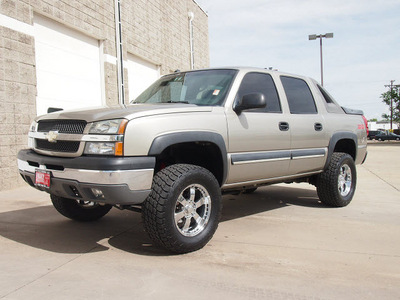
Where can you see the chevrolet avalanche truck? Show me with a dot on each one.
(189, 138)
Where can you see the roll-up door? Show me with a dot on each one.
(141, 74)
(67, 67)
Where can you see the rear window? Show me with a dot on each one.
(330, 103)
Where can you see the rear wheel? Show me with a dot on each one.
(183, 209)
(337, 184)
(79, 210)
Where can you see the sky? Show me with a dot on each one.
(361, 58)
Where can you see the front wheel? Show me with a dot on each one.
(79, 210)
(337, 184)
(183, 209)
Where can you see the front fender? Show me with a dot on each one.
(164, 141)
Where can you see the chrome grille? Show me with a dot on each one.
(62, 126)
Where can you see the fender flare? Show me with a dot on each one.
(160, 143)
(336, 137)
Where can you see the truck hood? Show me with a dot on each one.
(124, 111)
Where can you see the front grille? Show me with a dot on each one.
(62, 126)
(59, 146)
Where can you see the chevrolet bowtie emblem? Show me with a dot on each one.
(52, 136)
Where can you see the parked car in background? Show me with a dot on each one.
(372, 134)
(386, 136)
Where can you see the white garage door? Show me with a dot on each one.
(141, 74)
(67, 67)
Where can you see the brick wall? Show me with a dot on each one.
(155, 30)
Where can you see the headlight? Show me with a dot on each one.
(31, 140)
(112, 145)
(100, 148)
(33, 126)
(108, 127)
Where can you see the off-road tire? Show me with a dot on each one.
(168, 207)
(79, 210)
(337, 184)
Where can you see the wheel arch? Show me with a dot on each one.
(202, 143)
(342, 142)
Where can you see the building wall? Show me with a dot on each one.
(154, 30)
(382, 125)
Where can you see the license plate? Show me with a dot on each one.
(42, 178)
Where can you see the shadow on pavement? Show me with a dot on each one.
(266, 199)
(43, 228)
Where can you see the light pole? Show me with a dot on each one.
(320, 36)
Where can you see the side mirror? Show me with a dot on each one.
(53, 109)
(250, 101)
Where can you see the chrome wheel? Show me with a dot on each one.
(79, 210)
(344, 180)
(183, 209)
(86, 204)
(192, 210)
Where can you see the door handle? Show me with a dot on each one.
(318, 127)
(283, 126)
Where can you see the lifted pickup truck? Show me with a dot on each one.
(190, 137)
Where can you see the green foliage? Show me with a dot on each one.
(395, 96)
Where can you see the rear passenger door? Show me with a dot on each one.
(259, 141)
(307, 127)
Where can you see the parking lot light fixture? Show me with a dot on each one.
(320, 36)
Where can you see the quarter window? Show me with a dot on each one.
(298, 95)
(261, 83)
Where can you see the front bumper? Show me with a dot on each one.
(121, 180)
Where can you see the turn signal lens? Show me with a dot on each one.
(122, 126)
(119, 149)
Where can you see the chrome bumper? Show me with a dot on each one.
(121, 183)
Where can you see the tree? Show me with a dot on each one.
(392, 96)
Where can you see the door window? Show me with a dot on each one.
(264, 84)
(298, 95)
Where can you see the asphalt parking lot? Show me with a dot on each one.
(278, 243)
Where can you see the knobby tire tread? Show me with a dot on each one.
(327, 182)
(154, 208)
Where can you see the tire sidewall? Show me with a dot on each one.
(348, 160)
(206, 179)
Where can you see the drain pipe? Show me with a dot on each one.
(118, 46)
(191, 17)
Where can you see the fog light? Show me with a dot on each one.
(97, 193)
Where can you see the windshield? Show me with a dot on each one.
(206, 88)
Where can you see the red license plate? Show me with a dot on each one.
(42, 178)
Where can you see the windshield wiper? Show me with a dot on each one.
(185, 102)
